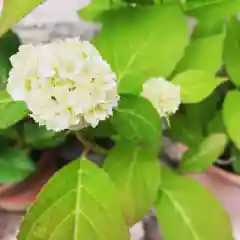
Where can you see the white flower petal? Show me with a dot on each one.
(164, 95)
(65, 84)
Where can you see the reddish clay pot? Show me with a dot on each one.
(18, 196)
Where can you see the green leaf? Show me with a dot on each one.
(78, 203)
(15, 165)
(193, 211)
(143, 2)
(204, 53)
(232, 50)
(138, 121)
(184, 130)
(136, 175)
(10, 132)
(40, 137)
(14, 11)
(103, 129)
(142, 42)
(9, 44)
(236, 160)
(216, 10)
(216, 125)
(200, 3)
(199, 114)
(231, 116)
(94, 10)
(195, 85)
(11, 112)
(199, 159)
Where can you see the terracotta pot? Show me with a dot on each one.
(18, 196)
(224, 185)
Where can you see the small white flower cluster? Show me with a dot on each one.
(65, 84)
(164, 95)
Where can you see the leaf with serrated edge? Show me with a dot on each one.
(136, 175)
(190, 208)
(78, 203)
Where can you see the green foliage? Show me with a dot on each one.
(40, 137)
(139, 44)
(15, 165)
(103, 129)
(78, 203)
(11, 112)
(204, 52)
(232, 50)
(186, 205)
(94, 10)
(195, 85)
(136, 175)
(214, 9)
(184, 130)
(200, 158)
(140, 39)
(216, 124)
(137, 120)
(231, 116)
(199, 114)
(9, 44)
(20, 9)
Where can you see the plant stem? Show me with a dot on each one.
(90, 146)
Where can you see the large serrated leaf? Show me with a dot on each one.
(231, 116)
(137, 120)
(192, 210)
(78, 203)
(136, 175)
(199, 159)
(142, 42)
(14, 11)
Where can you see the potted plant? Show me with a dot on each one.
(135, 72)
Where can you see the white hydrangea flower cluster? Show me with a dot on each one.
(65, 84)
(164, 95)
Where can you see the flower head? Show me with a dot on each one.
(65, 84)
(164, 95)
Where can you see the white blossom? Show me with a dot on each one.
(65, 84)
(164, 95)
